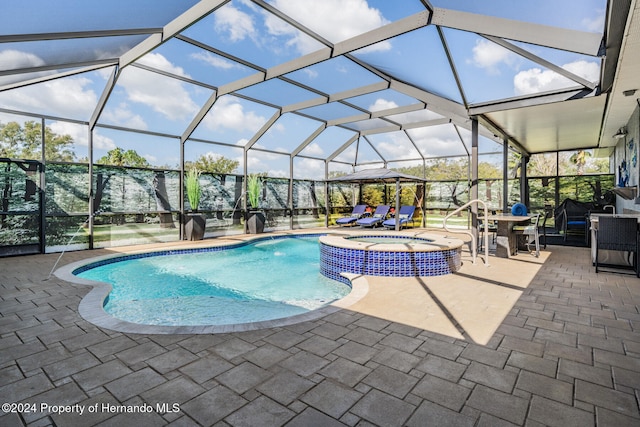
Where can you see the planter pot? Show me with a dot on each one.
(255, 222)
(194, 226)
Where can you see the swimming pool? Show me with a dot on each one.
(249, 282)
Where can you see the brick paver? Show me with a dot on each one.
(567, 353)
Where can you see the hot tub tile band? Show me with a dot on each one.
(335, 260)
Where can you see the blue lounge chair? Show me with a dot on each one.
(376, 219)
(405, 216)
(356, 214)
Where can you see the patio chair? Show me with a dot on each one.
(357, 213)
(404, 217)
(530, 232)
(618, 234)
(376, 219)
(548, 213)
(575, 225)
(492, 228)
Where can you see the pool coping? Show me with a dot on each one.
(91, 307)
(436, 243)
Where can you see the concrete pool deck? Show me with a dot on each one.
(535, 341)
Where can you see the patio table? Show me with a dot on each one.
(506, 239)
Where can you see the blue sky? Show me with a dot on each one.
(153, 102)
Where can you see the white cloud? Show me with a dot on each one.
(308, 169)
(435, 141)
(228, 113)
(313, 149)
(260, 161)
(156, 60)
(123, 116)
(19, 59)
(595, 24)
(396, 146)
(382, 104)
(237, 24)
(278, 173)
(277, 127)
(340, 167)
(536, 80)
(164, 95)
(150, 158)
(312, 74)
(214, 61)
(335, 20)
(488, 56)
(349, 154)
(81, 137)
(66, 97)
(586, 69)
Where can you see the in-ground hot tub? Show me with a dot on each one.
(391, 255)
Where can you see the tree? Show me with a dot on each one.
(214, 163)
(542, 165)
(579, 158)
(119, 157)
(26, 142)
(372, 194)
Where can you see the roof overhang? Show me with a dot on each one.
(567, 125)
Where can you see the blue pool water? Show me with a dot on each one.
(264, 280)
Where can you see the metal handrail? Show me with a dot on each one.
(474, 244)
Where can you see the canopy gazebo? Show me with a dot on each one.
(386, 176)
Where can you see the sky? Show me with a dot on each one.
(154, 102)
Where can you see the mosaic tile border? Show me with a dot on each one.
(336, 260)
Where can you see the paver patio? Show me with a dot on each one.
(525, 341)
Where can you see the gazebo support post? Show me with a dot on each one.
(397, 204)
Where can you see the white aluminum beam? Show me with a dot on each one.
(375, 150)
(397, 110)
(363, 90)
(173, 76)
(343, 147)
(305, 104)
(242, 83)
(67, 35)
(383, 129)
(98, 63)
(104, 98)
(401, 26)
(188, 18)
(308, 141)
(55, 76)
(379, 34)
(350, 119)
(140, 49)
(524, 101)
(543, 62)
(299, 63)
(262, 130)
(542, 35)
(426, 123)
(434, 103)
(199, 117)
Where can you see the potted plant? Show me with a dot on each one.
(195, 223)
(256, 217)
